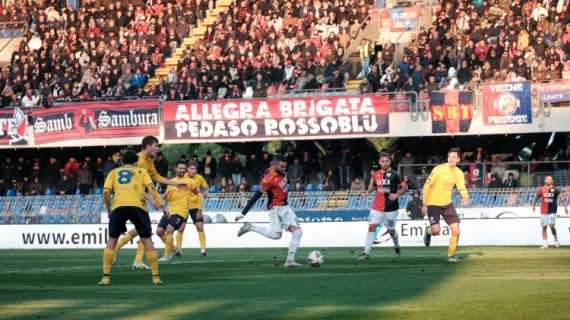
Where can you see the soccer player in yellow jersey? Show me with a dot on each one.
(179, 205)
(128, 184)
(438, 200)
(196, 206)
(150, 148)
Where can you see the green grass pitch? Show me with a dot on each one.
(489, 283)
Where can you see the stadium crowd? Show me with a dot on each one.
(111, 49)
(336, 169)
(471, 42)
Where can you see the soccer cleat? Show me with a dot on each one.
(244, 229)
(427, 237)
(156, 281)
(105, 282)
(363, 256)
(376, 242)
(557, 244)
(203, 254)
(452, 259)
(544, 246)
(165, 258)
(292, 264)
(177, 252)
(396, 252)
(140, 266)
(115, 260)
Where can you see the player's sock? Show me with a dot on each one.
(294, 244)
(264, 232)
(452, 245)
(140, 252)
(153, 261)
(122, 242)
(202, 238)
(428, 230)
(370, 236)
(107, 261)
(168, 244)
(396, 239)
(179, 237)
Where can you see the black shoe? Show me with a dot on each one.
(427, 237)
(204, 254)
(396, 252)
(376, 242)
(178, 254)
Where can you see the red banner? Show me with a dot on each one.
(13, 127)
(273, 118)
(94, 120)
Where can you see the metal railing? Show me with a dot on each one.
(485, 174)
(88, 209)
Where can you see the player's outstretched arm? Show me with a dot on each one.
(249, 205)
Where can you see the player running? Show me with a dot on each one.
(548, 194)
(438, 202)
(196, 204)
(384, 211)
(179, 206)
(128, 184)
(150, 149)
(281, 216)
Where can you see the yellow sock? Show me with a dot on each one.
(202, 237)
(168, 244)
(452, 246)
(153, 261)
(107, 261)
(140, 252)
(179, 237)
(122, 242)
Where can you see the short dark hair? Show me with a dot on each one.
(384, 154)
(180, 162)
(194, 164)
(148, 140)
(130, 157)
(454, 149)
(278, 158)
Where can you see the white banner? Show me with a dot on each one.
(475, 232)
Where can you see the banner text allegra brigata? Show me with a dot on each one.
(242, 120)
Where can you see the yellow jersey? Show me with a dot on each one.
(439, 185)
(197, 199)
(129, 184)
(146, 162)
(179, 199)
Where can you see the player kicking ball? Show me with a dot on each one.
(281, 216)
(128, 184)
(548, 194)
(384, 211)
(438, 202)
(178, 204)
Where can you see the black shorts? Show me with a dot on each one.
(447, 212)
(175, 220)
(138, 217)
(196, 215)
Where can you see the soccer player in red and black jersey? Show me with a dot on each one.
(281, 216)
(384, 211)
(548, 194)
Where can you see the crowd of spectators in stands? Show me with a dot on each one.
(231, 172)
(471, 42)
(110, 49)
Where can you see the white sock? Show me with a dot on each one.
(294, 244)
(545, 243)
(396, 239)
(265, 232)
(368, 242)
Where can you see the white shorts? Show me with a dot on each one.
(387, 219)
(282, 218)
(547, 219)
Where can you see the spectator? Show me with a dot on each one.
(30, 100)
(414, 207)
(309, 169)
(22, 169)
(494, 183)
(298, 187)
(511, 181)
(330, 181)
(407, 164)
(2, 188)
(226, 166)
(252, 170)
(36, 187)
(344, 168)
(295, 172)
(357, 185)
(161, 164)
(209, 166)
(8, 170)
(52, 176)
(236, 170)
(65, 186)
(98, 173)
(85, 178)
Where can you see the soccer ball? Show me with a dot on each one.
(315, 258)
